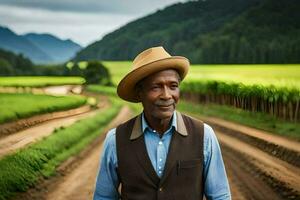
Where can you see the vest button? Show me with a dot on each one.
(160, 189)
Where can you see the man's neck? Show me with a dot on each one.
(159, 125)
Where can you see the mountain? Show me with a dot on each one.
(40, 48)
(59, 50)
(18, 44)
(210, 31)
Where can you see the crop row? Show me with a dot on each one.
(39, 81)
(21, 170)
(17, 106)
(278, 101)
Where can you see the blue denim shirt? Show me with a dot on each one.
(216, 185)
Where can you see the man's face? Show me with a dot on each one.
(159, 94)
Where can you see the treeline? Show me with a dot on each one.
(94, 72)
(212, 31)
(268, 33)
(13, 65)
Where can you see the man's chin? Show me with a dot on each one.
(164, 114)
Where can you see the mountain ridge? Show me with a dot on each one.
(39, 48)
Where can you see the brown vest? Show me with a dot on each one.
(182, 177)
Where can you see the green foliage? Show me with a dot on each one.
(12, 105)
(5, 67)
(281, 102)
(12, 64)
(96, 73)
(266, 33)
(111, 91)
(15, 65)
(257, 120)
(20, 170)
(39, 81)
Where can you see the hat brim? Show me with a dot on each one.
(126, 87)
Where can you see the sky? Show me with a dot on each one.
(83, 21)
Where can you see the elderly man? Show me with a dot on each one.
(160, 154)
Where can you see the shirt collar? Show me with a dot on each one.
(140, 125)
(145, 124)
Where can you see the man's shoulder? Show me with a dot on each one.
(195, 120)
(110, 136)
(208, 130)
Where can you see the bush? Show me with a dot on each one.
(97, 73)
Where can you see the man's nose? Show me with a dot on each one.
(166, 93)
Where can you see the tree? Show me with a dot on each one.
(5, 68)
(97, 73)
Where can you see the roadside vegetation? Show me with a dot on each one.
(257, 120)
(18, 106)
(22, 169)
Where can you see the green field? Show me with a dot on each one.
(21, 170)
(17, 106)
(287, 75)
(39, 81)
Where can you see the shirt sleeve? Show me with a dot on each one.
(107, 179)
(216, 186)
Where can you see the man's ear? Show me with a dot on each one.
(138, 90)
(138, 93)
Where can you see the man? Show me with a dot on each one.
(160, 154)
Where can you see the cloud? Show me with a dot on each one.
(81, 27)
(81, 21)
(131, 7)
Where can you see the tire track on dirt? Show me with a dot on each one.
(254, 168)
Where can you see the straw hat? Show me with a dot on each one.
(148, 62)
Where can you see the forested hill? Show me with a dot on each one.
(210, 31)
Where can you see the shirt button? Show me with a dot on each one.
(161, 189)
(160, 159)
(160, 142)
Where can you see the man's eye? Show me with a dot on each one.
(174, 86)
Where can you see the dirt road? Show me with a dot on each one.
(79, 184)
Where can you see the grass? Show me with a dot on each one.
(118, 69)
(256, 120)
(39, 81)
(18, 106)
(22, 169)
(112, 92)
